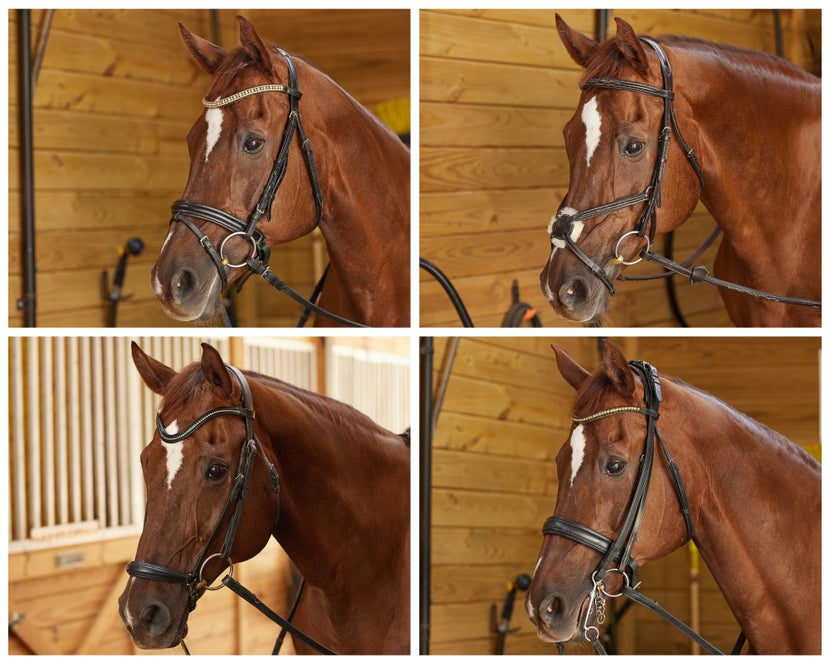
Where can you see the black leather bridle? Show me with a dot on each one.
(562, 226)
(617, 553)
(231, 514)
(260, 252)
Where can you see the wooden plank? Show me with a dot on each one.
(459, 37)
(468, 82)
(462, 169)
(477, 212)
(104, 620)
(460, 125)
(483, 435)
(480, 546)
(488, 510)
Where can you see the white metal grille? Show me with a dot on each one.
(79, 417)
(375, 383)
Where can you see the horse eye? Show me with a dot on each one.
(633, 148)
(614, 467)
(216, 471)
(252, 144)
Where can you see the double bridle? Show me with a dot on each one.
(617, 553)
(260, 252)
(562, 226)
(231, 514)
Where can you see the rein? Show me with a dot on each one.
(231, 512)
(260, 252)
(561, 229)
(617, 553)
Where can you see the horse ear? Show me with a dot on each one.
(616, 368)
(155, 375)
(254, 46)
(578, 46)
(214, 369)
(631, 47)
(208, 55)
(574, 374)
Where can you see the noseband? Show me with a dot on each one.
(562, 226)
(617, 553)
(232, 511)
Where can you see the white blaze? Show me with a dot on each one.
(175, 454)
(577, 451)
(213, 117)
(592, 121)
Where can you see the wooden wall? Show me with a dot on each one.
(116, 96)
(496, 89)
(505, 416)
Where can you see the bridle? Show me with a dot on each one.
(617, 553)
(562, 226)
(231, 514)
(260, 252)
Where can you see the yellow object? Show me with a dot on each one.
(395, 114)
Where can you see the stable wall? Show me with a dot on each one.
(505, 415)
(116, 95)
(497, 87)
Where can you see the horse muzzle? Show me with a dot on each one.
(557, 618)
(154, 622)
(187, 290)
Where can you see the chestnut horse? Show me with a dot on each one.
(749, 499)
(254, 183)
(747, 143)
(323, 479)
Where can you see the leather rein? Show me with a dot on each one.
(231, 514)
(617, 553)
(561, 228)
(260, 252)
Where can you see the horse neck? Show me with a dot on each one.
(755, 498)
(344, 484)
(759, 125)
(364, 173)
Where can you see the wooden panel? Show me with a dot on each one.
(496, 89)
(504, 417)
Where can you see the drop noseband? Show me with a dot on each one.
(617, 552)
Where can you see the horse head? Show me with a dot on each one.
(251, 184)
(617, 184)
(598, 468)
(192, 496)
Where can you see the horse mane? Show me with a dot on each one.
(340, 414)
(608, 61)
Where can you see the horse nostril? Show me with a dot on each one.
(182, 284)
(155, 618)
(573, 292)
(553, 607)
